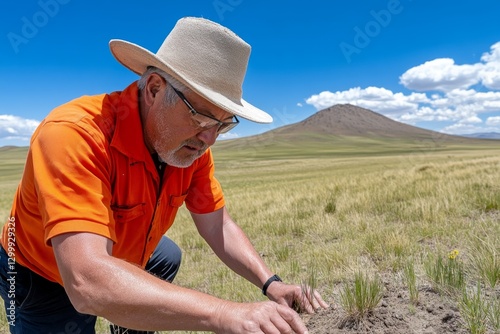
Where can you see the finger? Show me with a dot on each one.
(312, 300)
(303, 300)
(292, 319)
(279, 325)
(319, 300)
(271, 328)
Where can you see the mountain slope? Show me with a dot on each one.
(349, 120)
(343, 130)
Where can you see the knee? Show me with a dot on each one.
(166, 260)
(174, 262)
(176, 255)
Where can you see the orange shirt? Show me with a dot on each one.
(88, 170)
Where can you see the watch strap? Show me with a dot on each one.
(274, 278)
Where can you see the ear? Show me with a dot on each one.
(153, 86)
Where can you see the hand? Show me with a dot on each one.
(263, 317)
(301, 298)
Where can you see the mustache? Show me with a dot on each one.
(198, 144)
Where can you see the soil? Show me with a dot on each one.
(434, 314)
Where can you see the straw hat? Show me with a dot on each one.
(208, 58)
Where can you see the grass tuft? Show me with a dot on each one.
(361, 297)
(494, 313)
(474, 310)
(330, 207)
(446, 274)
(486, 260)
(410, 279)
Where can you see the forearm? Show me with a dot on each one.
(243, 259)
(238, 253)
(130, 297)
(100, 284)
(141, 301)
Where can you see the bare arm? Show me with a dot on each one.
(99, 284)
(232, 246)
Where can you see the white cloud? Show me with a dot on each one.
(228, 135)
(378, 99)
(16, 128)
(444, 75)
(490, 75)
(471, 120)
(493, 121)
(451, 98)
(299, 104)
(463, 129)
(441, 74)
(458, 105)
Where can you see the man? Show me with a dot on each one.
(103, 180)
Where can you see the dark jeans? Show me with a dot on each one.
(36, 305)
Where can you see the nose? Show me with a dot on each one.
(208, 136)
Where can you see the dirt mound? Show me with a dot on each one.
(434, 314)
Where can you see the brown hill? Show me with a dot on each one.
(344, 130)
(350, 120)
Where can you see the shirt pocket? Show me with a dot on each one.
(126, 213)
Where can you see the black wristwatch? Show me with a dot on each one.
(274, 278)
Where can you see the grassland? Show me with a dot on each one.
(331, 212)
(11, 167)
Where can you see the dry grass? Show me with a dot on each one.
(340, 216)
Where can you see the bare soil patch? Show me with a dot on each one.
(434, 314)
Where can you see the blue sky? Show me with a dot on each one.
(432, 64)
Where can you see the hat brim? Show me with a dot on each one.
(138, 59)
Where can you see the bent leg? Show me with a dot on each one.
(166, 260)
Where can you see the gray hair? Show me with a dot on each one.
(170, 96)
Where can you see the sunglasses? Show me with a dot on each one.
(206, 122)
